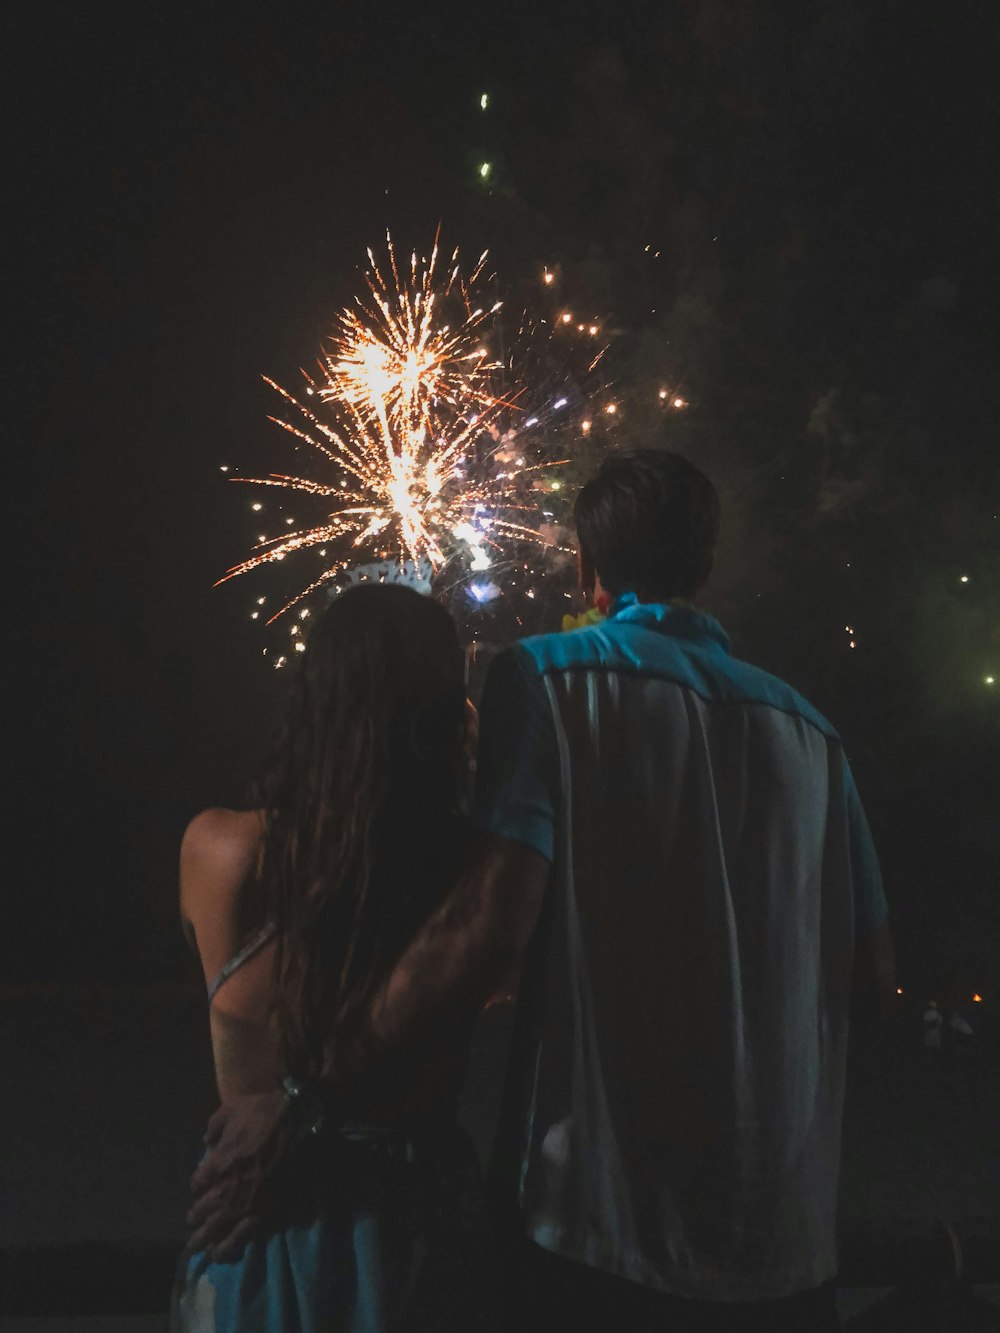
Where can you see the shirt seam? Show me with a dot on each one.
(829, 732)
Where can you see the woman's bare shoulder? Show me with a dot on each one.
(218, 853)
(218, 832)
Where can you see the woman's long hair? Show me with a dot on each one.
(361, 805)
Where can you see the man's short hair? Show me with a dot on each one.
(648, 522)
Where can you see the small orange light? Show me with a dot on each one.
(548, 277)
(899, 990)
(567, 317)
(977, 998)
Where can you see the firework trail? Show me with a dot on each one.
(420, 462)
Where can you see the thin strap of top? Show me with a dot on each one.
(252, 946)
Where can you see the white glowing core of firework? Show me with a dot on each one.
(411, 413)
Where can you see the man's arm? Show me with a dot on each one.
(472, 944)
(469, 947)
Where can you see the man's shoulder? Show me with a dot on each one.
(754, 685)
(566, 650)
(712, 674)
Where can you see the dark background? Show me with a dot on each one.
(193, 189)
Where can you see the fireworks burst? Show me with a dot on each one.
(420, 459)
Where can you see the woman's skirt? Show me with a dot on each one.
(386, 1231)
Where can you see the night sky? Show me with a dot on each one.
(194, 191)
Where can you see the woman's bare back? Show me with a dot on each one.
(221, 911)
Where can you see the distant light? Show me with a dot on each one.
(611, 409)
(224, 468)
(585, 426)
(560, 402)
(484, 101)
(977, 998)
(557, 485)
(548, 278)
(899, 990)
(485, 169)
(964, 578)
(480, 560)
(663, 394)
(310, 391)
(532, 421)
(680, 402)
(580, 328)
(989, 680)
(261, 601)
(593, 330)
(254, 615)
(257, 507)
(852, 644)
(567, 318)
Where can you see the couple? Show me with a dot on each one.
(665, 843)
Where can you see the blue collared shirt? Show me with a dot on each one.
(674, 1105)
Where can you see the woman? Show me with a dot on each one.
(299, 911)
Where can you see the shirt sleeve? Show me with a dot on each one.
(517, 768)
(870, 906)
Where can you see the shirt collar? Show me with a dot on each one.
(683, 622)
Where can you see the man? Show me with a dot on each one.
(674, 851)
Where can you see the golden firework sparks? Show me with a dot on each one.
(407, 423)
